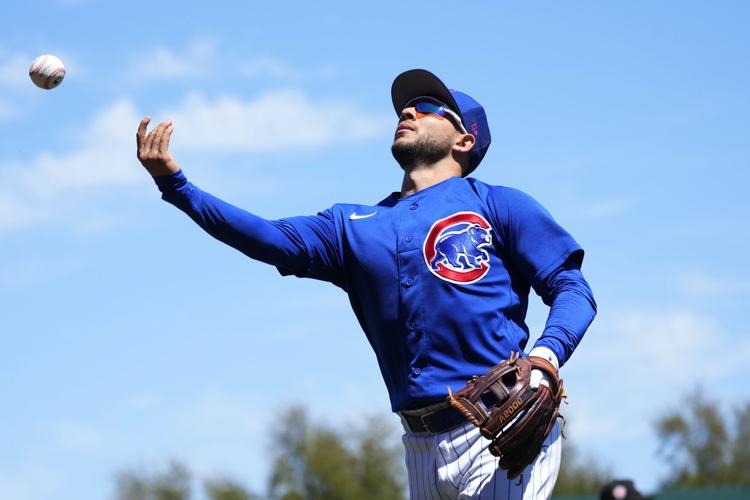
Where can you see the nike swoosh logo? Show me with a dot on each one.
(356, 216)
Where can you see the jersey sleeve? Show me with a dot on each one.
(300, 246)
(534, 242)
(572, 309)
(322, 241)
(272, 242)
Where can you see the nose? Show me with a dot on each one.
(408, 114)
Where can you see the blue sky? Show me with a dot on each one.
(130, 337)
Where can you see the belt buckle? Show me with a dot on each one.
(424, 422)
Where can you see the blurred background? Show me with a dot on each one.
(134, 346)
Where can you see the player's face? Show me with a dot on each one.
(422, 138)
(427, 117)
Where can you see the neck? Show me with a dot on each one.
(423, 176)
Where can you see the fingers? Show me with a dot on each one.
(163, 145)
(153, 139)
(153, 148)
(141, 134)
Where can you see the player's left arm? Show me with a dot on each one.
(550, 259)
(572, 309)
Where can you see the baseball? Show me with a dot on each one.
(47, 71)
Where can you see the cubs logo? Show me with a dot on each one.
(455, 248)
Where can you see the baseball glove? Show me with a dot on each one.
(516, 417)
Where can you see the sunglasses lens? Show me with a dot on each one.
(439, 111)
(429, 108)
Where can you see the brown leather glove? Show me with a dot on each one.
(508, 411)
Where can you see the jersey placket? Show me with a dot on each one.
(409, 260)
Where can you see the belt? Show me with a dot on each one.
(433, 419)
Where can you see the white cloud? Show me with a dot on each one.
(162, 63)
(105, 160)
(632, 346)
(606, 208)
(202, 58)
(31, 193)
(700, 283)
(219, 414)
(632, 360)
(106, 157)
(77, 436)
(13, 211)
(29, 482)
(142, 402)
(266, 67)
(73, 3)
(14, 69)
(275, 121)
(634, 365)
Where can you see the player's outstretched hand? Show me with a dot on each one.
(153, 148)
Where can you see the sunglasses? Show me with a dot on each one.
(436, 109)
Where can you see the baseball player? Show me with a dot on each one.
(438, 275)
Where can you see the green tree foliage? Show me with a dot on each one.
(579, 475)
(226, 489)
(741, 449)
(175, 484)
(312, 462)
(377, 461)
(702, 446)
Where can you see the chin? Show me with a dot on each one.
(402, 140)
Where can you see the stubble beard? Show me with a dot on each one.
(423, 152)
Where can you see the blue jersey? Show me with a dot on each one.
(439, 280)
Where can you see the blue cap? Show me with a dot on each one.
(420, 82)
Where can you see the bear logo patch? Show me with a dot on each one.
(455, 248)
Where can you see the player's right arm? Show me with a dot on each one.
(153, 148)
(275, 242)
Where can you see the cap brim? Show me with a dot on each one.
(420, 82)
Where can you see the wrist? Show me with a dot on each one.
(546, 353)
(163, 170)
(167, 183)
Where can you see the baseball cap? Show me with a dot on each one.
(621, 489)
(420, 82)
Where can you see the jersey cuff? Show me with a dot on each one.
(546, 353)
(167, 183)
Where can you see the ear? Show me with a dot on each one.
(463, 143)
(462, 150)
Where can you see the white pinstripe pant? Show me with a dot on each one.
(457, 465)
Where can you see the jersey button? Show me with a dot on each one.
(412, 327)
(408, 238)
(409, 282)
(416, 371)
(413, 207)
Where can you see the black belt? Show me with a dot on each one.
(435, 421)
